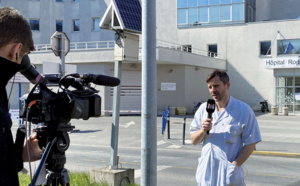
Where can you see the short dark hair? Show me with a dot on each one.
(14, 28)
(221, 74)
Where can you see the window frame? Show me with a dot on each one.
(260, 48)
(93, 24)
(215, 12)
(212, 54)
(33, 19)
(73, 21)
(62, 25)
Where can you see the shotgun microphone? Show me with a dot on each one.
(210, 108)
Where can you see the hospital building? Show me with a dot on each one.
(256, 41)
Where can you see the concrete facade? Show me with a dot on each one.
(238, 49)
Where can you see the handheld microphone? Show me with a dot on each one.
(29, 71)
(210, 108)
(99, 79)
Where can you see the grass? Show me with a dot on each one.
(76, 179)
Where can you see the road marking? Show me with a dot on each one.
(126, 125)
(188, 141)
(137, 172)
(161, 142)
(173, 147)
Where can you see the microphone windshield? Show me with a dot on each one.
(107, 81)
(29, 71)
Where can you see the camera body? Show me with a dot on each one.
(44, 105)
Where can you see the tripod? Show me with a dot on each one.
(51, 169)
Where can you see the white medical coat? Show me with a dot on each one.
(231, 129)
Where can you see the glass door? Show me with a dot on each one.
(288, 93)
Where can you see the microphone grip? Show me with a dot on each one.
(209, 116)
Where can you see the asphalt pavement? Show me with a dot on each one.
(280, 134)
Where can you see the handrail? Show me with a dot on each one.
(164, 44)
(105, 45)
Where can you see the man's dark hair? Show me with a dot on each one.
(221, 74)
(14, 28)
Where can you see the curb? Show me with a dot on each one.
(274, 153)
(264, 153)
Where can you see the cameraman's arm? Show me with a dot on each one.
(19, 143)
(35, 152)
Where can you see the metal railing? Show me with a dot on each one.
(183, 48)
(105, 45)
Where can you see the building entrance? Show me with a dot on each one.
(288, 93)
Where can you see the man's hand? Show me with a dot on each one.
(207, 125)
(246, 151)
(35, 152)
(197, 137)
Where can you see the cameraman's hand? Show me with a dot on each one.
(35, 152)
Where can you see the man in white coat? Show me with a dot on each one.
(233, 134)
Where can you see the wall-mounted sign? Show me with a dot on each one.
(293, 62)
(168, 86)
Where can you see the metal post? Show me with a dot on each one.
(62, 55)
(168, 115)
(183, 134)
(115, 119)
(149, 95)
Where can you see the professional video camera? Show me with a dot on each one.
(81, 103)
(75, 99)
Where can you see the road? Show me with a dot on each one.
(176, 164)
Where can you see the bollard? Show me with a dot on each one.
(168, 126)
(168, 119)
(183, 134)
(163, 123)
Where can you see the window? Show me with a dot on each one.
(182, 3)
(203, 2)
(182, 16)
(225, 1)
(34, 24)
(192, 3)
(193, 15)
(59, 25)
(76, 26)
(238, 12)
(76, 0)
(205, 12)
(214, 2)
(187, 48)
(58, 0)
(96, 22)
(214, 14)
(225, 12)
(213, 50)
(265, 48)
(238, 1)
(288, 46)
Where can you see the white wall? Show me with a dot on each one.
(49, 11)
(240, 45)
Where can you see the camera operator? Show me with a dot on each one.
(15, 42)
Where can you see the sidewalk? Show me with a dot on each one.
(280, 134)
